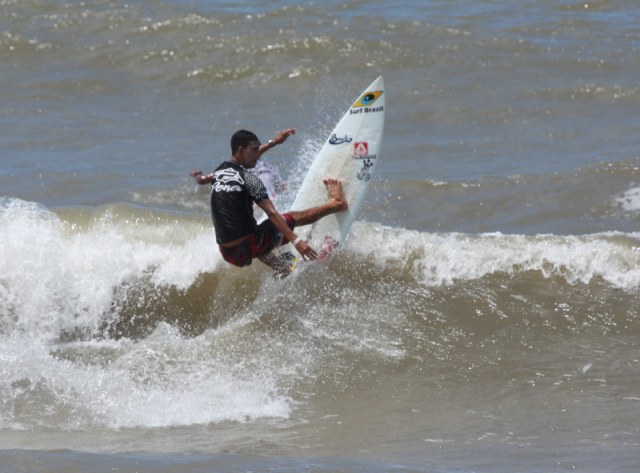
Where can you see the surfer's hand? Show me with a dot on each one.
(283, 135)
(306, 251)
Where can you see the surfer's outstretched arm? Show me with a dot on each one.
(278, 140)
(201, 178)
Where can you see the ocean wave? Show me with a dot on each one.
(437, 259)
(124, 269)
(121, 317)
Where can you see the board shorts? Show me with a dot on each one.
(264, 240)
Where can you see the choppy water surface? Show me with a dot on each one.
(483, 315)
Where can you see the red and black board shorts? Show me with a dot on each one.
(266, 238)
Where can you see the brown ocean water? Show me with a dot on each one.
(482, 317)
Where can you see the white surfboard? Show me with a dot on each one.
(351, 154)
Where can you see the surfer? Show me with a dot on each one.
(234, 190)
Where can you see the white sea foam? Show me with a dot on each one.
(159, 382)
(443, 258)
(55, 278)
(629, 200)
(50, 271)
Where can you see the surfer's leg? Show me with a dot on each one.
(336, 203)
(268, 239)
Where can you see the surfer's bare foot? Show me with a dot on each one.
(336, 194)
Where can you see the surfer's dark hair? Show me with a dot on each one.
(242, 138)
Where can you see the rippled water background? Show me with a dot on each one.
(483, 315)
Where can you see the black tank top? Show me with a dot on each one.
(233, 193)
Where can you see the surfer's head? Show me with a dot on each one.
(242, 139)
(245, 148)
